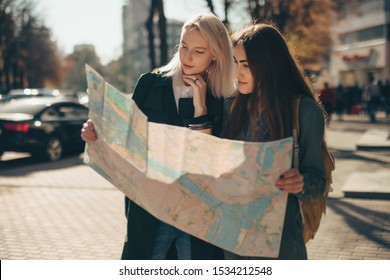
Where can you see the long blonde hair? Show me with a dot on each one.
(220, 71)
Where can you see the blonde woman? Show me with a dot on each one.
(188, 91)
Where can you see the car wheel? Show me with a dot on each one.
(54, 149)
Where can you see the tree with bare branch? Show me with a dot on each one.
(28, 56)
(306, 24)
(157, 11)
(226, 4)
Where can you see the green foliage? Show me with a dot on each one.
(308, 30)
(75, 78)
(28, 56)
(119, 73)
(305, 23)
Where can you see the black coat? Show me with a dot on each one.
(154, 95)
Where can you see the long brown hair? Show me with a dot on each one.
(278, 79)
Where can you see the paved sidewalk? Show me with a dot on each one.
(357, 228)
(68, 213)
(65, 210)
(362, 150)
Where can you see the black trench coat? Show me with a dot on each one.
(153, 94)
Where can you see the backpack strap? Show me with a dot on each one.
(313, 209)
(296, 103)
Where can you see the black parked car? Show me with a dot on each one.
(45, 127)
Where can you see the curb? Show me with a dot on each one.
(367, 195)
(374, 140)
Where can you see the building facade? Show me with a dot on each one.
(361, 43)
(135, 13)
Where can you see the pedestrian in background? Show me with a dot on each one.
(340, 97)
(269, 79)
(188, 91)
(328, 100)
(386, 97)
(371, 97)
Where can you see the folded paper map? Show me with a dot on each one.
(221, 191)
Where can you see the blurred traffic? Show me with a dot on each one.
(46, 127)
(80, 97)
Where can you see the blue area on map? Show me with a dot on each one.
(231, 218)
(168, 172)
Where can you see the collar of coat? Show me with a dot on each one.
(162, 80)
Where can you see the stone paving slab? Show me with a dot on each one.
(69, 173)
(59, 223)
(374, 139)
(353, 229)
(368, 184)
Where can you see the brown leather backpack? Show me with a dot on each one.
(312, 210)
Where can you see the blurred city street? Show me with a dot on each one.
(64, 210)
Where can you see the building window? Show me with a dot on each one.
(358, 8)
(373, 6)
(372, 33)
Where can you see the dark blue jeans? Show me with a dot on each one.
(166, 234)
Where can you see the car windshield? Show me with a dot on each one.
(29, 106)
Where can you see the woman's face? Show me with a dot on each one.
(243, 73)
(194, 51)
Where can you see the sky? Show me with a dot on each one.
(99, 22)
